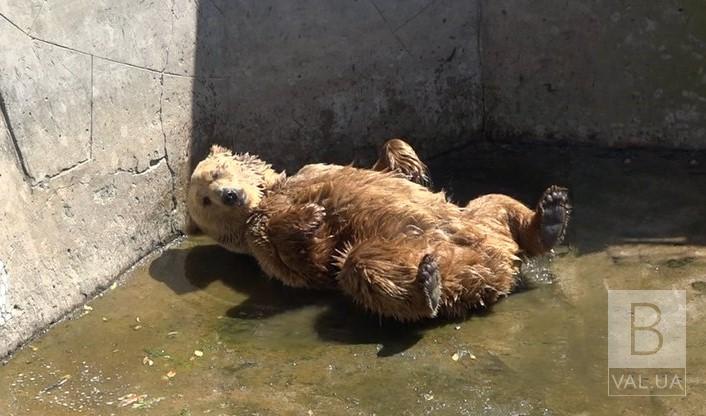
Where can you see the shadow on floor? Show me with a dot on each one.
(193, 269)
(188, 270)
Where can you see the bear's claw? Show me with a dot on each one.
(313, 216)
(554, 210)
(430, 278)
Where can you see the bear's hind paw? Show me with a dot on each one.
(430, 279)
(554, 210)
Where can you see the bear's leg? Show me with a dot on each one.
(475, 276)
(396, 155)
(536, 232)
(553, 211)
(395, 278)
(293, 249)
(413, 279)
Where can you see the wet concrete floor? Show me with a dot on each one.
(197, 330)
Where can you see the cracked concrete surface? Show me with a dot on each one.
(89, 172)
(46, 95)
(103, 103)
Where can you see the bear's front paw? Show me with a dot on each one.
(430, 278)
(312, 216)
(554, 210)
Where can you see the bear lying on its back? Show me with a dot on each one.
(394, 246)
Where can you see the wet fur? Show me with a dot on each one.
(395, 247)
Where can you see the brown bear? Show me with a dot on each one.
(394, 246)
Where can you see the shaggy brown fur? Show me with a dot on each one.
(394, 246)
(398, 156)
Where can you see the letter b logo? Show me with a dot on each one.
(639, 312)
(646, 329)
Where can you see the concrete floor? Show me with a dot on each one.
(198, 330)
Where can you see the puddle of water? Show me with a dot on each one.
(198, 330)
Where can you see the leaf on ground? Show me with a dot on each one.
(129, 399)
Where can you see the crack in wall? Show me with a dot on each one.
(387, 25)
(419, 12)
(18, 153)
(13, 24)
(20, 158)
(172, 173)
(215, 6)
(154, 164)
(61, 173)
(144, 68)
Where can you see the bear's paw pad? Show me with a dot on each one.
(555, 209)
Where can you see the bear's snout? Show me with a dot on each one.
(232, 197)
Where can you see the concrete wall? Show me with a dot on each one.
(93, 136)
(618, 73)
(331, 80)
(103, 101)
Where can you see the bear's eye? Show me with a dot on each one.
(215, 175)
(206, 201)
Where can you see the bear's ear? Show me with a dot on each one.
(190, 227)
(217, 149)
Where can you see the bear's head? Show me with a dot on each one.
(223, 191)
